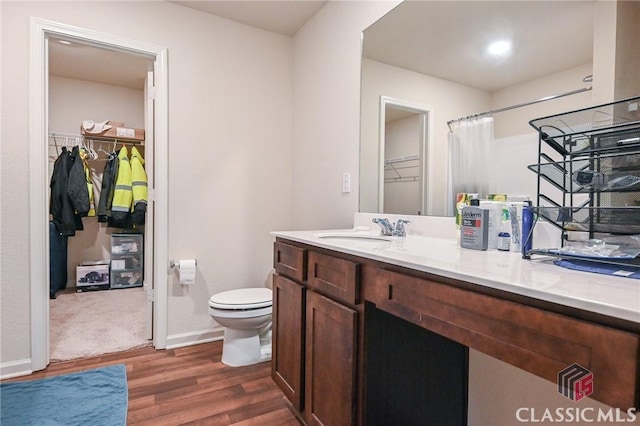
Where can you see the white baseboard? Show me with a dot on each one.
(21, 367)
(194, 337)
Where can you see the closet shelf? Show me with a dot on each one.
(402, 169)
(71, 139)
(401, 159)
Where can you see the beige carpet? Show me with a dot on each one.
(96, 323)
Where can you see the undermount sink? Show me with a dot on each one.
(354, 235)
(357, 240)
(371, 241)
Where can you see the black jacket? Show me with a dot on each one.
(107, 188)
(77, 189)
(63, 207)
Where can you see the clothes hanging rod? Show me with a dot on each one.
(77, 138)
(495, 111)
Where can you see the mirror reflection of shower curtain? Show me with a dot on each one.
(469, 168)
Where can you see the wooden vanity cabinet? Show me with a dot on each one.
(535, 340)
(315, 334)
(322, 353)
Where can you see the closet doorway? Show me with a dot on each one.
(90, 55)
(404, 170)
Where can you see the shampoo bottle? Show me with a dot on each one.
(474, 229)
(527, 230)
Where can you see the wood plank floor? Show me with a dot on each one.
(190, 386)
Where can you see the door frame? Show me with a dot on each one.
(426, 149)
(40, 30)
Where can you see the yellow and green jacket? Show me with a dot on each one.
(129, 205)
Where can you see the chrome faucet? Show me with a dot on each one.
(392, 229)
(385, 226)
(400, 230)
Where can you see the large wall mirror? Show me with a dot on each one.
(434, 54)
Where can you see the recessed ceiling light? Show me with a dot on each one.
(64, 42)
(499, 48)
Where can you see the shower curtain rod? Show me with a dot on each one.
(546, 98)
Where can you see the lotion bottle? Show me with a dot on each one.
(474, 229)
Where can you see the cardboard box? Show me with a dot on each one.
(119, 132)
(92, 277)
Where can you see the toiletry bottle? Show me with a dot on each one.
(504, 237)
(474, 230)
(527, 230)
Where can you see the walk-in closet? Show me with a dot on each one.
(97, 113)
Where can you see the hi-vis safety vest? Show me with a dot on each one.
(138, 187)
(122, 194)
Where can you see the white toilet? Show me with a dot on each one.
(246, 315)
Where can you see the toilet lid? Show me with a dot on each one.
(243, 298)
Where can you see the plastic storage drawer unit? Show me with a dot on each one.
(126, 260)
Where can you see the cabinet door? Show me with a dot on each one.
(288, 338)
(330, 370)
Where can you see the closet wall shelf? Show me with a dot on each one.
(402, 169)
(401, 159)
(125, 141)
(72, 139)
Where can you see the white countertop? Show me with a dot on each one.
(617, 297)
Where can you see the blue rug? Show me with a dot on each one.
(94, 397)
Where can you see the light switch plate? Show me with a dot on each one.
(346, 182)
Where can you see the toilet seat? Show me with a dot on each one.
(242, 299)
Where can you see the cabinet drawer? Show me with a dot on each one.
(334, 277)
(126, 278)
(126, 243)
(122, 262)
(290, 261)
(541, 342)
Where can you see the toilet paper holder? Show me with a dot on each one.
(176, 263)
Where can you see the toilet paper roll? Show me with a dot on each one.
(187, 271)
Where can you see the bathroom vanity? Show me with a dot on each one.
(365, 328)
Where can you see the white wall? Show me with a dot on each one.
(326, 126)
(445, 99)
(230, 121)
(516, 121)
(71, 101)
(627, 83)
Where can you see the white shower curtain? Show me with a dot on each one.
(469, 161)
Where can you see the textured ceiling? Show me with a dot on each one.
(282, 17)
(446, 39)
(439, 38)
